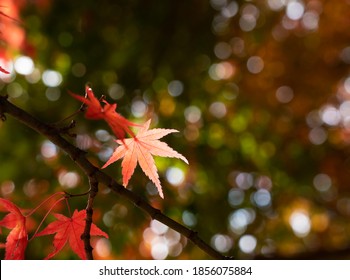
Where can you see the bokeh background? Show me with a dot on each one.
(259, 90)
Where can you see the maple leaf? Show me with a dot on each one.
(70, 229)
(4, 71)
(140, 149)
(96, 111)
(17, 240)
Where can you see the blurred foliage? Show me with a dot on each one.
(259, 91)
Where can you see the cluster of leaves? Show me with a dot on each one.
(66, 229)
(139, 148)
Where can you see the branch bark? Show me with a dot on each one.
(96, 175)
(89, 212)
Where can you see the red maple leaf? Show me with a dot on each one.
(17, 240)
(140, 149)
(96, 111)
(70, 229)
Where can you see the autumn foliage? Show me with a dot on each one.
(119, 125)
(69, 229)
(258, 90)
(138, 149)
(66, 229)
(17, 239)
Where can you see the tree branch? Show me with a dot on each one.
(94, 173)
(89, 212)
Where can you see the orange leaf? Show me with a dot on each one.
(70, 229)
(140, 150)
(118, 123)
(17, 240)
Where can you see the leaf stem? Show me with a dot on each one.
(68, 207)
(43, 219)
(69, 117)
(43, 202)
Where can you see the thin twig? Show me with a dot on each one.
(78, 156)
(43, 202)
(43, 219)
